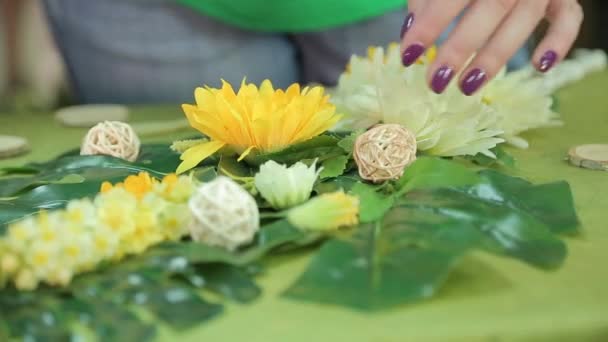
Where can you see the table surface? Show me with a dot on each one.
(487, 298)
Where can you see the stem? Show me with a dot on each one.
(280, 214)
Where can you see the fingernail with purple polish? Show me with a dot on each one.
(441, 79)
(547, 61)
(411, 54)
(473, 81)
(407, 24)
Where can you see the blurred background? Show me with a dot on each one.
(33, 74)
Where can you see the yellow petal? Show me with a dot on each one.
(196, 154)
(246, 153)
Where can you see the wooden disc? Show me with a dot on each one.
(593, 157)
(89, 115)
(11, 146)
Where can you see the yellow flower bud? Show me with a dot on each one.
(326, 212)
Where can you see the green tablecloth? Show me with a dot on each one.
(487, 298)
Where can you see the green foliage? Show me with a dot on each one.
(502, 158)
(165, 282)
(406, 254)
(333, 167)
(348, 143)
(344, 182)
(373, 205)
(50, 185)
(428, 172)
(413, 232)
(322, 147)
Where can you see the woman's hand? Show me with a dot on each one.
(492, 30)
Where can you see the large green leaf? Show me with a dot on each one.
(72, 176)
(322, 147)
(507, 231)
(402, 259)
(268, 238)
(550, 203)
(156, 159)
(373, 204)
(231, 282)
(53, 196)
(406, 254)
(429, 172)
(33, 316)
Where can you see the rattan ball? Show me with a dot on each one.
(111, 138)
(383, 152)
(224, 214)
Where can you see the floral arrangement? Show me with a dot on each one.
(358, 173)
(379, 89)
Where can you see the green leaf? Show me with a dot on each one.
(348, 143)
(231, 282)
(112, 322)
(33, 316)
(322, 147)
(506, 231)
(158, 159)
(427, 173)
(344, 182)
(268, 238)
(552, 203)
(333, 167)
(372, 204)
(404, 259)
(205, 174)
(407, 254)
(72, 177)
(502, 158)
(180, 307)
(231, 167)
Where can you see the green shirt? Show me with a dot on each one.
(292, 15)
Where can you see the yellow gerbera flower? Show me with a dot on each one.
(261, 119)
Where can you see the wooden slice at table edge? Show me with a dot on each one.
(592, 156)
(12, 146)
(86, 116)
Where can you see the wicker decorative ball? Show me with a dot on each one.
(224, 214)
(111, 138)
(383, 152)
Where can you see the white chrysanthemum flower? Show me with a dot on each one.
(521, 103)
(379, 89)
(285, 187)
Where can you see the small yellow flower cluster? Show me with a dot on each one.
(123, 219)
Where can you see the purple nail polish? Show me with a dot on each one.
(547, 61)
(407, 24)
(441, 79)
(411, 54)
(473, 81)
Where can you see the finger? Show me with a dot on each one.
(429, 23)
(413, 7)
(565, 17)
(472, 32)
(504, 43)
